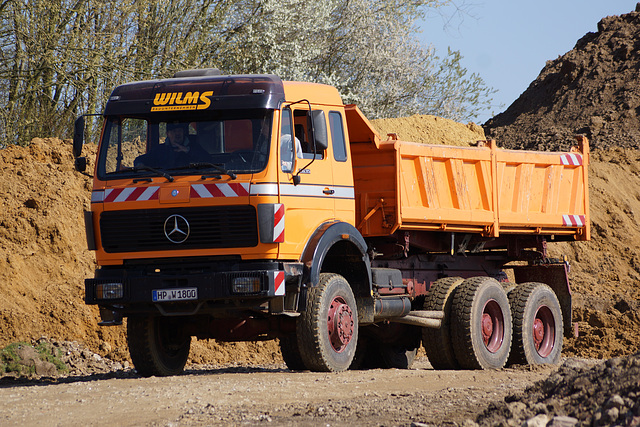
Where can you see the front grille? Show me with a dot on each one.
(209, 227)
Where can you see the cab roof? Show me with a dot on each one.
(197, 92)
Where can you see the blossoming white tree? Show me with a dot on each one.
(60, 58)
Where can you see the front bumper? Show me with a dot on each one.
(134, 289)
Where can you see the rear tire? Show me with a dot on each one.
(437, 342)
(157, 345)
(327, 329)
(537, 325)
(481, 324)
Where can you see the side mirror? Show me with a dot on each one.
(81, 164)
(78, 137)
(320, 130)
(287, 148)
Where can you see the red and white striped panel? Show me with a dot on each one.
(232, 189)
(573, 220)
(278, 223)
(278, 283)
(571, 159)
(128, 194)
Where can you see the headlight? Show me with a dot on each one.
(246, 285)
(109, 291)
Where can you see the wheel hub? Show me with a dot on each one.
(492, 326)
(538, 332)
(544, 331)
(340, 324)
(487, 327)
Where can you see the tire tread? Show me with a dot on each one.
(518, 300)
(462, 332)
(312, 351)
(437, 342)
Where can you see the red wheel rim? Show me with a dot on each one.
(492, 326)
(544, 331)
(340, 324)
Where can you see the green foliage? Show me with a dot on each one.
(61, 58)
(48, 353)
(9, 360)
(12, 362)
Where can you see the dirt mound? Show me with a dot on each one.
(43, 255)
(577, 394)
(592, 90)
(430, 130)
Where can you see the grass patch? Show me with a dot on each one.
(52, 355)
(20, 358)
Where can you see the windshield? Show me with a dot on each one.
(232, 143)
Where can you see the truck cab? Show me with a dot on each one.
(219, 225)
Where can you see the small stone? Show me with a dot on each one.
(537, 421)
(562, 421)
(613, 414)
(106, 347)
(614, 401)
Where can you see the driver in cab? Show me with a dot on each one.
(176, 151)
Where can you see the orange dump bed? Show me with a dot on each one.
(408, 186)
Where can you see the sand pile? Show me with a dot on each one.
(430, 130)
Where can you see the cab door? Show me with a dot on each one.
(305, 180)
(344, 196)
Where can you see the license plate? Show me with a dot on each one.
(182, 294)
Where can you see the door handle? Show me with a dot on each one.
(328, 191)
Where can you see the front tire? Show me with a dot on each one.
(481, 324)
(537, 325)
(327, 329)
(157, 345)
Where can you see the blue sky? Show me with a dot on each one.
(507, 42)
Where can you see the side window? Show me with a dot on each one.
(301, 121)
(127, 141)
(337, 136)
(286, 141)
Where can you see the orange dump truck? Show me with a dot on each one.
(248, 208)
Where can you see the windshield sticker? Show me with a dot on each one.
(177, 101)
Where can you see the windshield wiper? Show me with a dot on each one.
(207, 165)
(154, 170)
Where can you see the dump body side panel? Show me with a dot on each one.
(408, 186)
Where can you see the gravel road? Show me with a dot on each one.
(268, 395)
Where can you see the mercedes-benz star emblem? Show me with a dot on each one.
(176, 228)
